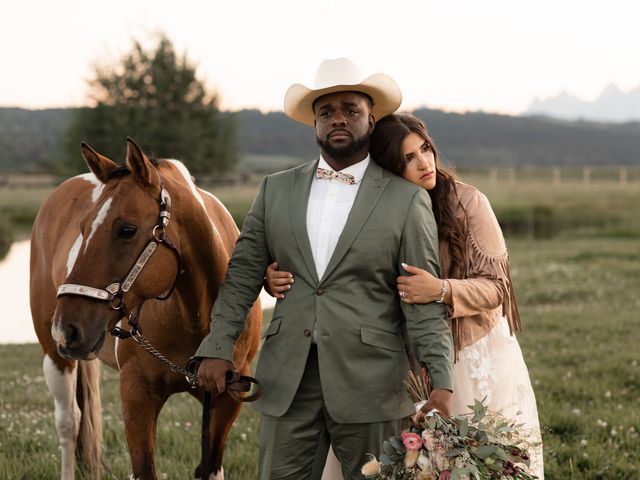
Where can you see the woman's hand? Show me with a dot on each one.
(419, 286)
(277, 281)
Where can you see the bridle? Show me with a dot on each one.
(114, 293)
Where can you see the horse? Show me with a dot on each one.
(137, 243)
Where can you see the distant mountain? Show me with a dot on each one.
(31, 140)
(613, 105)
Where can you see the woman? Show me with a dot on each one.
(476, 285)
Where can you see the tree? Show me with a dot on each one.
(154, 97)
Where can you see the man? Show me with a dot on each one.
(334, 357)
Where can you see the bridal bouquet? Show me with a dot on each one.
(481, 445)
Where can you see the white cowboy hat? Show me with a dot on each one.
(342, 75)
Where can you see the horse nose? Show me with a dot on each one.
(71, 334)
(65, 333)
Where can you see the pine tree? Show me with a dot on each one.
(154, 97)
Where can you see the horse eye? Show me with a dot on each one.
(127, 231)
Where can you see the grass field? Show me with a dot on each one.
(578, 295)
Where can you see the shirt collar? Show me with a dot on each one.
(357, 169)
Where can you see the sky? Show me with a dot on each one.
(491, 55)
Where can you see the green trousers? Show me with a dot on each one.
(294, 446)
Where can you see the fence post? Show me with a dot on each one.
(623, 175)
(586, 175)
(531, 224)
(493, 176)
(557, 176)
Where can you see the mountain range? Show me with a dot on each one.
(613, 105)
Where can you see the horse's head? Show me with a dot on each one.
(125, 256)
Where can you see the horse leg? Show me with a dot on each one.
(141, 405)
(224, 411)
(60, 376)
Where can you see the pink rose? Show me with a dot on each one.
(411, 441)
(445, 475)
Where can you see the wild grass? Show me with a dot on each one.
(579, 303)
(578, 296)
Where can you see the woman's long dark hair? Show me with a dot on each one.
(386, 150)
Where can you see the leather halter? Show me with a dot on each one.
(115, 292)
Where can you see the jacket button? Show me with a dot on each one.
(307, 332)
(320, 291)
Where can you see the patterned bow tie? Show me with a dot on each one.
(324, 174)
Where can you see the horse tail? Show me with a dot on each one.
(89, 446)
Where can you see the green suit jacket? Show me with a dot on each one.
(360, 322)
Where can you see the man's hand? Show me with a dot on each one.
(211, 374)
(439, 399)
(277, 281)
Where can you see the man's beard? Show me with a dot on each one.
(343, 152)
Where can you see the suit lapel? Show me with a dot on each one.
(300, 188)
(373, 184)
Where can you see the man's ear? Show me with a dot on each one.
(372, 123)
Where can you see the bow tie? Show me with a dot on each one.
(324, 174)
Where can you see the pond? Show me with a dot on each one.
(16, 325)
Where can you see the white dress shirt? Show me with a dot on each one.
(330, 202)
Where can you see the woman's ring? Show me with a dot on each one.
(402, 293)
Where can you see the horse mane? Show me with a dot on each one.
(123, 171)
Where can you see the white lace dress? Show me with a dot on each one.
(493, 367)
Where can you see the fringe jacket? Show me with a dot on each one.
(486, 292)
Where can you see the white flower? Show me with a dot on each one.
(371, 468)
(423, 461)
(576, 411)
(583, 442)
(607, 394)
(601, 423)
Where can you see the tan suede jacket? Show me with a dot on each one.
(486, 293)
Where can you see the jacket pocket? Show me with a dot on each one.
(381, 338)
(273, 327)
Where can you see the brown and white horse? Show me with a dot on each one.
(89, 237)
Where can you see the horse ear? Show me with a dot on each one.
(98, 164)
(139, 164)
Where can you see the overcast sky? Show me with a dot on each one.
(492, 55)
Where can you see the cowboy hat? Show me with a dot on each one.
(342, 75)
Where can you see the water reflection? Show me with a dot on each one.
(16, 325)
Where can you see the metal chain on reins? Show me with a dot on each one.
(141, 340)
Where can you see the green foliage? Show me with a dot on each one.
(154, 97)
